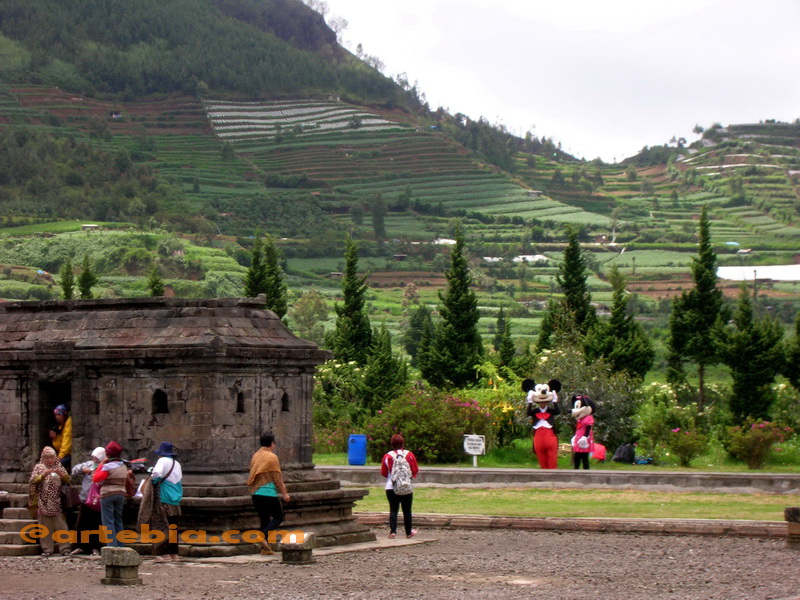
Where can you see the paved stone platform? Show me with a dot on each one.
(775, 483)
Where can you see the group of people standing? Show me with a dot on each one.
(107, 482)
(107, 478)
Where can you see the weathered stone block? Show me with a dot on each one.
(122, 566)
(300, 552)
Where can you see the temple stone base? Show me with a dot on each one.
(216, 503)
(219, 503)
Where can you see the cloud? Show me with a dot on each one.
(604, 78)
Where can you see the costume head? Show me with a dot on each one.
(542, 393)
(582, 406)
(166, 449)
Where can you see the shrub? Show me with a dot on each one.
(786, 407)
(754, 441)
(616, 393)
(686, 445)
(433, 424)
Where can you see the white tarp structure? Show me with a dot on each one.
(774, 272)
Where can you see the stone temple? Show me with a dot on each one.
(207, 375)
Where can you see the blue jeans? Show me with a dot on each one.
(111, 516)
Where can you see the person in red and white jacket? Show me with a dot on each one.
(397, 501)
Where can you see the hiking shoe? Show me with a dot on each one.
(412, 534)
(392, 536)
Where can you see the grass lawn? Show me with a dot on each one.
(636, 504)
(531, 502)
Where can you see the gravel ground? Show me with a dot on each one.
(459, 565)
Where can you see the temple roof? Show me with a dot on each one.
(146, 324)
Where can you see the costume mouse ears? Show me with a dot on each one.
(529, 384)
(585, 401)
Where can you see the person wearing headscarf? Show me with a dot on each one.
(88, 517)
(266, 484)
(44, 497)
(162, 493)
(111, 475)
(61, 435)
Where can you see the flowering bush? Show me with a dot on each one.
(502, 396)
(754, 441)
(786, 407)
(686, 445)
(432, 423)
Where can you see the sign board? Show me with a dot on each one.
(475, 444)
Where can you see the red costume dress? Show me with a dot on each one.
(545, 441)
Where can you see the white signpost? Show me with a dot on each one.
(475, 445)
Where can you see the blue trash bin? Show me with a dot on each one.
(357, 450)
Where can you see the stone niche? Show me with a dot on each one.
(207, 375)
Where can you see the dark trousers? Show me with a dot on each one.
(169, 547)
(579, 458)
(395, 503)
(270, 511)
(88, 520)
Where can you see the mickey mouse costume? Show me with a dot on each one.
(542, 408)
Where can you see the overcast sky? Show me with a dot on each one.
(602, 77)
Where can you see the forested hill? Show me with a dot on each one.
(126, 50)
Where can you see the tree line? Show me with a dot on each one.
(132, 49)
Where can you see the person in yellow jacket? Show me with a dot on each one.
(61, 435)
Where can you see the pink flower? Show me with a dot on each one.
(676, 430)
(380, 412)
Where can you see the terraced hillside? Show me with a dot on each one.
(359, 154)
(304, 169)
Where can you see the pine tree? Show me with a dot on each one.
(386, 375)
(274, 285)
(352, 337)
(574, 312)
(507, 350)
(266, 276)
(379, 217)
(67, 277)
(694, 315)
(621, 340)
(571, 278)
(456, 346)
(792, 364)
(412, 339)
(155, 283)
(87, 279)
(256, 275)
(752, 349)
(500, 327)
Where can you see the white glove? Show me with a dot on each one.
(583, 443)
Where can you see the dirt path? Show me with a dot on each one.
(460, 565)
